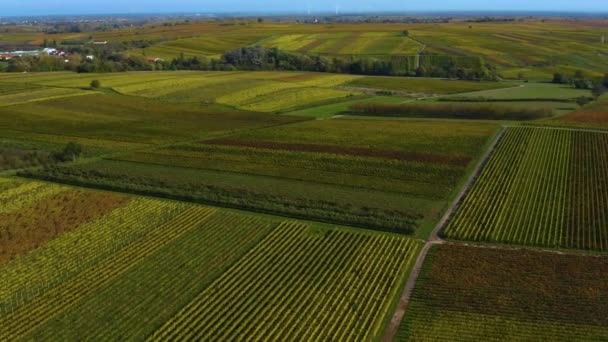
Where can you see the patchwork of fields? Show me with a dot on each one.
(260, 91)
(108, 122)
(382, 175)
(355, 203)
(111, 266)
(533, 47)
(486, 294)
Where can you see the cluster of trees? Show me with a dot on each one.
(15, 158)
(70, 152)
(117, 59)
(579, 81)
(112, 63)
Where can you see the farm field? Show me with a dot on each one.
(107, 122)
(205, 45)
(251, 91)
(35, 95)
(423, 86)
(485, 294)
(340, 171)
(593, 116)
(327, 111)
(336, 44)
(542, 187)
(135, 267)
(531, 91)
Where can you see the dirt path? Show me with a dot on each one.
(435, 239)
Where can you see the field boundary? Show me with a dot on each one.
(564, 128)
(435, 239)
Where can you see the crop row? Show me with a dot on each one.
(152, 291)
(67, 256)
(252, 95)
(541, 187)
(300, 284)
(379, 43)
(25, 318)
(168, 85)
(357, 176)
(38, 95)
(16, 195)
(292, 98)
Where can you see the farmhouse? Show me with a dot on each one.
(5, 58)
(155, 59)
(98, 42)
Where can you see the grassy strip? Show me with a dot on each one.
(452, 111)
(490, 100)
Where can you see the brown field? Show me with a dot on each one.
(590, 116)
(24, 230)
(485, 294)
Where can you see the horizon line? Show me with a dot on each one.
(313, 13)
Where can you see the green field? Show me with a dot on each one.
(531, 91)
(542, 187)
(110, 266)
(335, 44)
(256, 91)
(110, 122)
(327, 111)
(484, 294)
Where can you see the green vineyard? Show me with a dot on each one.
(542, 187)
(299, 285)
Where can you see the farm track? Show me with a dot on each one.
(435, 239)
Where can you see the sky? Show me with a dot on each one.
(52, 7)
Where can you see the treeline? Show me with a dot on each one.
(451, 111)
(580, 81)
(16, 158)
(258, 58)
